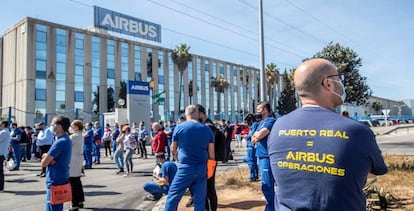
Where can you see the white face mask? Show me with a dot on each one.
(71, 130)
(343, 96)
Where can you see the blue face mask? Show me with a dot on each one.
(343, 96)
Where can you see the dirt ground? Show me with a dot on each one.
(234, 192)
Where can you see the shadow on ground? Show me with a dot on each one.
(243, 205)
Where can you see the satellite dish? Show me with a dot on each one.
(121, 102)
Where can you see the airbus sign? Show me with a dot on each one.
(125, 24)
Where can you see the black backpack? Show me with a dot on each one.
(219, 143)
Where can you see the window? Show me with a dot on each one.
(78, 96)
(40, 94)
(161, 79)
(111, 74)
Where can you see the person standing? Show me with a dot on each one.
(88, 145)
(75, 166)
(142, 139)
(329, 161)
(4, 149)
(162, 183)
(44, 140)
(15, 137)
(195, 144)
(97, 140)
(24, 141)
(29, 132)
(119, 152)
(57, 159)
(251, 158)
(160, 139)
(260, 139)
(107, 140)
(114, 136)
(169, 130)
(219, 155)
(237, 134)
(129, 150)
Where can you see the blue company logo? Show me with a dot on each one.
(125, 24)
(138, 87)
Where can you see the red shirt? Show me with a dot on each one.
(159, 142)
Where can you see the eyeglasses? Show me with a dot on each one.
(341, 77)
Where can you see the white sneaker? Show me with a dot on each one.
(126, 174)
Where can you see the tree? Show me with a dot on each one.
(220, 84)
(287, 100)
(123, 92)
(272, 78)
(377, 106)
(348, 62)
(180, 56)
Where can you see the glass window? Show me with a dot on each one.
(78, 96)
(40, 65)
(61, 77)
(61, 49)
(138, 77)
(111, 74)
(40, 83)
(40, 54)
(40, 46)
(60, 85)
(161, 79)
(40, 74)
(78, 70)
(79, 78)
(41, 36)
(79, 43)
(40, 27)
(60, 67)
(60, 95)
(40, 94)
(60, 57)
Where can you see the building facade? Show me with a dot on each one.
(49, 68)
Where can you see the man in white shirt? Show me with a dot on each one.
(4, 149)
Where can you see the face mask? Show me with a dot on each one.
(343, 96)
(71, 130)
(259, 114)
(88, 127)
(52, 128)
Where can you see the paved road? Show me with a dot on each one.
(104, 190)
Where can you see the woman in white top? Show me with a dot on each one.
(75, 166)
(129, 150)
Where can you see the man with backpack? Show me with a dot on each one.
(220, 155)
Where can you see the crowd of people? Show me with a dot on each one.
(309, 159)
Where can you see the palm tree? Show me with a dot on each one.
(220, 84)
(180, 56)
(272, 78)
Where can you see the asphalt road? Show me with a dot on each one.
(104, 190)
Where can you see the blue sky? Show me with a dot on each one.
(381, 32)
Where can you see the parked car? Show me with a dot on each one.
(365, 122)
(244, 130)
(382, 122)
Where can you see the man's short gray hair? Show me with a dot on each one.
(191, 110)
(156, 125)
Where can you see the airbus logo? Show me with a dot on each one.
(129, 25)
(139, 88)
